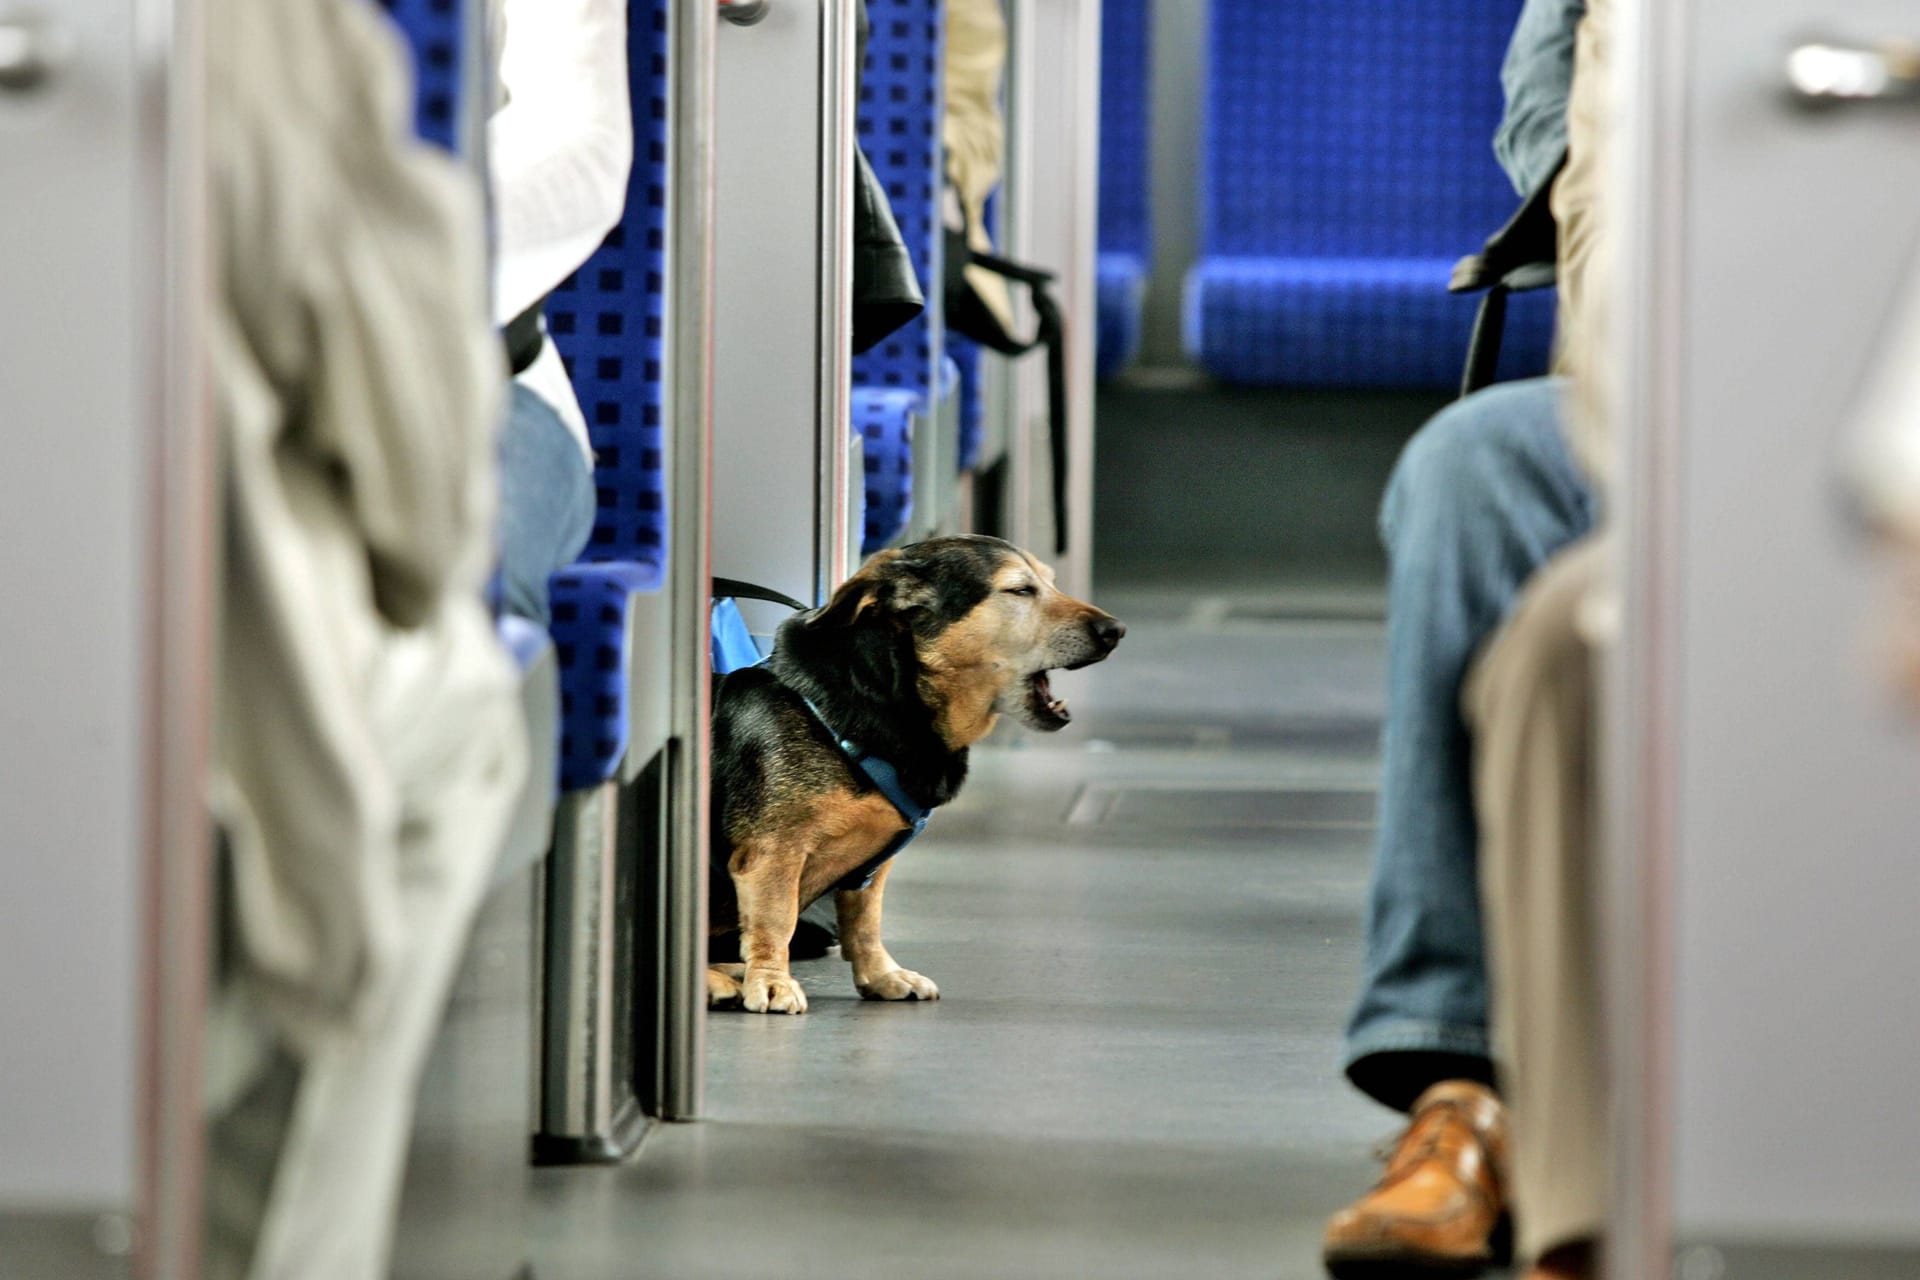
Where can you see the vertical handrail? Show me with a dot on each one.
(1049, 219)
(1644, 374)
(182, 562)
(690, 195)
(838, 110)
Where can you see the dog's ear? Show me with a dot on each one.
(865, 631)
(889, 587)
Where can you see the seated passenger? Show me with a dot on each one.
(1530, 703)
(1483, 496)
(559, 150)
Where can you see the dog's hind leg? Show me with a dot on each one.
(877, 975)
(723, 985)
(767, 883)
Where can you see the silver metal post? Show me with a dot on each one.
(836, 542)
(182, 561)
(682, 1004)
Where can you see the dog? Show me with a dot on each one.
(913, 660)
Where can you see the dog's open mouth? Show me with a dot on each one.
(1044, 711)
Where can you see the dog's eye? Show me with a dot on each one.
(1028, 590)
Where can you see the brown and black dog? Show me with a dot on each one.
(915, 659)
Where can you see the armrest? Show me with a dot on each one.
(1521, 254)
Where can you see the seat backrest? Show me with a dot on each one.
(435, 31)
(608, 320)
(1354, 128)
(902, 99)
(1126, 105)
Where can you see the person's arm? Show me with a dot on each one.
(560, 148)
(1536, 77)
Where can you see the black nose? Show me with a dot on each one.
(1109, 631)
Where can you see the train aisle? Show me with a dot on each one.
(1145, 930)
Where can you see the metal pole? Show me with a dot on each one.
(835, 411)
(690, 328)
(182, 562)
(1638, 819)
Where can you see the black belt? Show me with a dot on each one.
(524, 339)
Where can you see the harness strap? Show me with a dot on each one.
(887, 780)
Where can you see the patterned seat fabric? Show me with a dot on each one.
(901, 101)
(591, 607)
(884, 419)
(607, 320)
(434, 30)
(1347, 163)
(1126, 216)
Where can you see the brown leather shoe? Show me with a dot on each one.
(1441, 1203)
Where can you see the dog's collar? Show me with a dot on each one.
(887, 779)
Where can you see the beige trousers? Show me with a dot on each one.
(305, 1168)
(1529, 703)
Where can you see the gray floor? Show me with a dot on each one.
(1146, 932)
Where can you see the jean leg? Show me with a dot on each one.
(546, 503)
(1483, 495)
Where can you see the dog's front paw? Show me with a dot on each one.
(769, 991)
(899, 984)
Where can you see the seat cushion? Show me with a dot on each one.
(1343, 322)
(592, 614)
(884, 419)
(1121, 297)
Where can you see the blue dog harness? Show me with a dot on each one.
(732, 643)
(884, 776)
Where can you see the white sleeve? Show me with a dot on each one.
(561, 148)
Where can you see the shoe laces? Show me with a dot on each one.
(1420, 1140)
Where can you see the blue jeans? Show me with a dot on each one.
(1481, 497)
(547, 503)
(1537, 76)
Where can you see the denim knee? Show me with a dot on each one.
(1473, 459)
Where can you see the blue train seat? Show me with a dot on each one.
(883, 418)
(607, 320)
(1347, 164)
(435, 33)
(901, 106)
(1126, 188)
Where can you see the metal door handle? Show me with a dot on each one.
(1828, 73)
(32, 49)
(744, 13)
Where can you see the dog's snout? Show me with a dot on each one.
(1108, 632)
